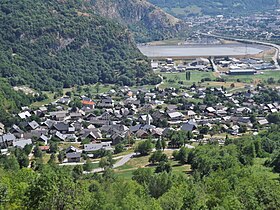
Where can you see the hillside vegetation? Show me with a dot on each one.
(234, 176)
(11, 101)
(214, 7)
(54, 44)
(146, 21)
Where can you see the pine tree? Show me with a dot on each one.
(158, 145)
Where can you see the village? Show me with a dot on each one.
(257, 26)
(85, 127)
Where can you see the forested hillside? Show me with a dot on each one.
(214, 7)
(54, 44)
(146, 21)
(223, 177)
(10, 101)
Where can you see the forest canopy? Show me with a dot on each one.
(55, 44)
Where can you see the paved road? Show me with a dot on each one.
(121, 162)
(74, 164)
(124, 160)
(275, 46)
(161, 83)
(215, 68)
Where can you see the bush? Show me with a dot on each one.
(119, 148)
(144, 148)
(158, 156)
(163, 166)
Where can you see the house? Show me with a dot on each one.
(243, 110)
(235, 129)
(61, 127)
(146, 119)
(60, 136)
(24, 115)
(59, 115)
(106, 103)
(87, 105)
(77, 125)
(221, 112)
(92, 134)
(98, 146)
(71, 137)
(175, 115)
(142, 134)
(43, 109)
(75, 115)
(157, 132)
(71, 149)
(189, 126)
(210, 110)
(44, 139)
(263, 122)
(135, 128)
(118, 137)
(2, 129)
(48, 123)
(191, 114)
(73, 157)
(200, 62)
(21, 143)
(64, 100)
(7, 140)
(33, 125)
(16, 131)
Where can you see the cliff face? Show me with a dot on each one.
(145, 20)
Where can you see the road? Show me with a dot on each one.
(65, 163)
(124, 160)
(161, 83)
(121, 162)
(215, 68)
(275, 46)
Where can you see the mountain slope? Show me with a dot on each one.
(214, 7)
(11, 101)
(147, 21)
(58, 43)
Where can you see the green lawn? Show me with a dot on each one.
(172, 79)
(251, 79)
(127, 169)
(44, 102)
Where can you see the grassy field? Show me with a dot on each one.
(254, 79)
(172, 79)
(127, 169)
(50, 98)
(47, 101)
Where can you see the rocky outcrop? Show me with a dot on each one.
(145, 20)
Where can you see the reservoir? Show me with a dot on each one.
(201, 50)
